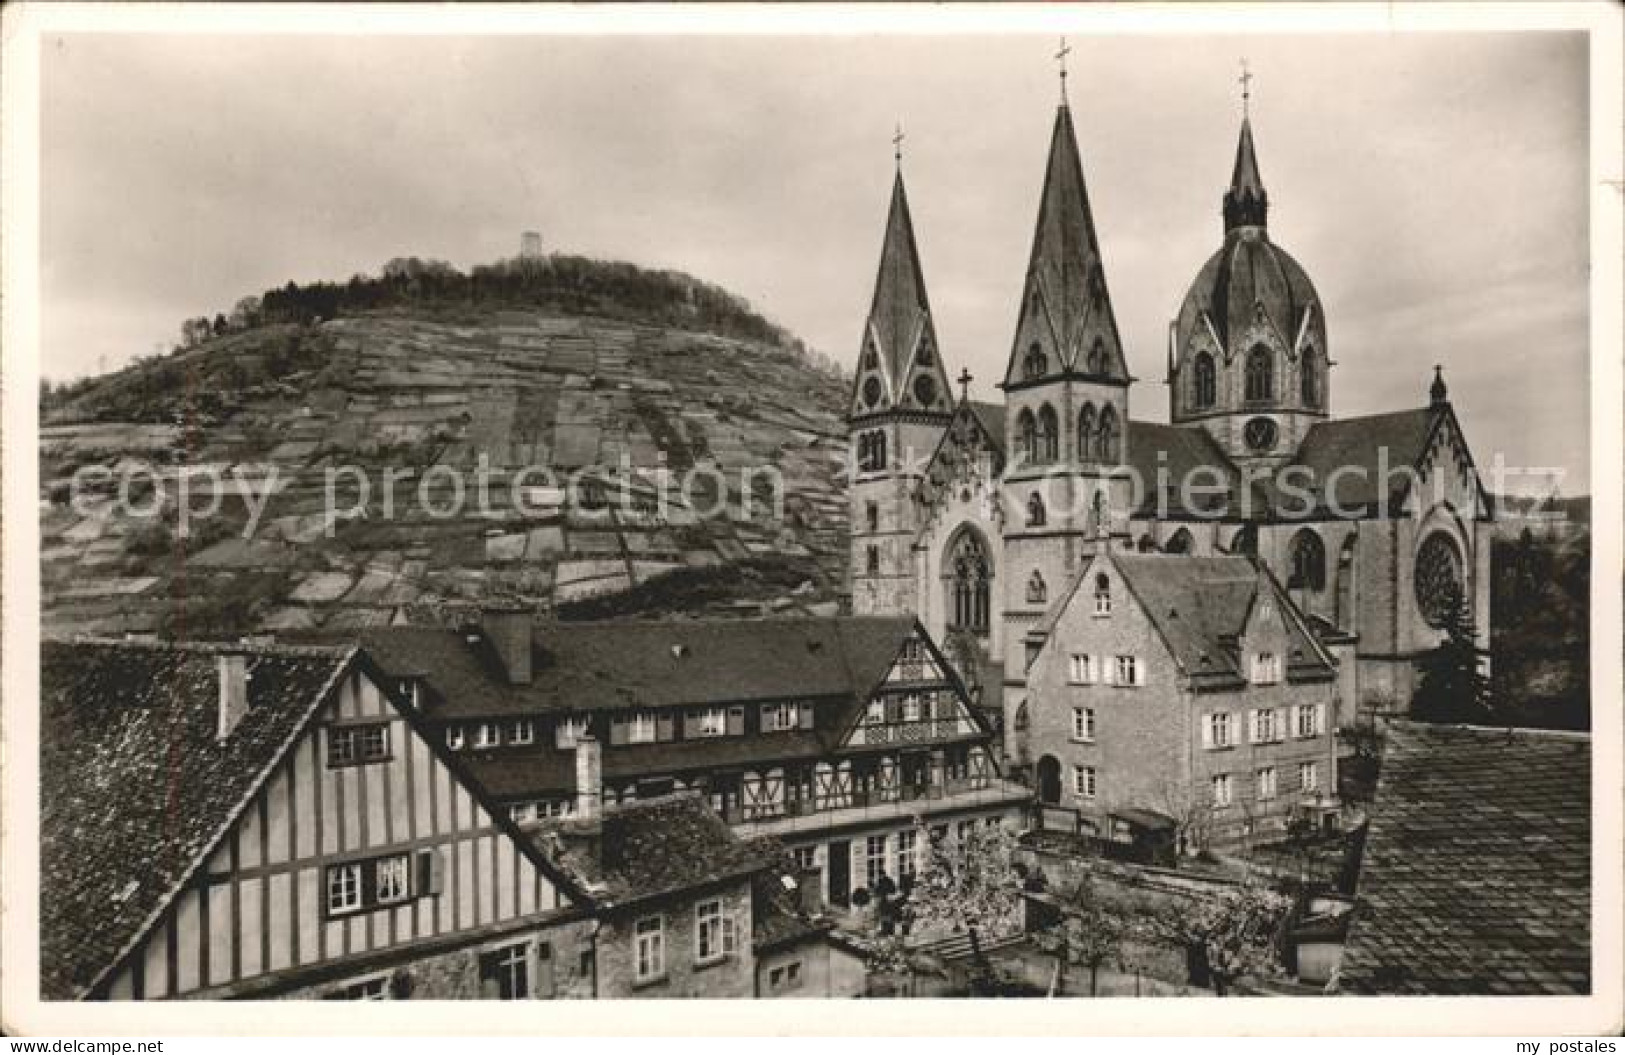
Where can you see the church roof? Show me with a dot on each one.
(1349, 444)
(1248, 273)
(899, 328)
(1476, 876)
(1245, 203)
(991, 415)
(1065, 274)
(1179, 451)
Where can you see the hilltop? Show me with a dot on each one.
(633, 381)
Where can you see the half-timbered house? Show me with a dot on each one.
(258, 821)
(834, 735)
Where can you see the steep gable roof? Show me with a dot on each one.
(1200, 606)
(1476, 877)
(1353, 448)
(1180, 451)
(136, 790)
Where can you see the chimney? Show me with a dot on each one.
(589, 778)
(233, 702)
(509, 630)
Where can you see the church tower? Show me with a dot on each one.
(1066, 393)
(1247, 353)
(901, 403)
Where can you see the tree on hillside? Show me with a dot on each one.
(1453, 686)
(1227, 935)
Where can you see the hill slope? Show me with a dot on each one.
(287, 411)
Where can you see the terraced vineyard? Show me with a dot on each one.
(664, 426)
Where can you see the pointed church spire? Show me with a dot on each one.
(1066, 311)
(1245, 203)
(899, 338)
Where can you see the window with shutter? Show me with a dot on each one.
(736, 721)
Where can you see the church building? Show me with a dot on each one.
(979, 518)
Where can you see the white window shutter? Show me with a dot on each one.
(1252, 727)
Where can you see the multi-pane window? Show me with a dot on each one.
(357, 885)
(486, 734)
(1266, 668)
(568, 731)
(779, 717)
(1128, 670)
(1309, 720)
(1103, 595)
(1266, 782)
(906, 848)
(650, 937)
(505, 973)
(714, 932)
(454, 737)
(521, 731)
(1080, 671)
(1264, 726)
(1308, 776)
(1083, 781)
(1221, 789)
(354, 745)
(876, 713)
(344, 888)
(806, 858)
(1083, 723)
(911, 708)
(392, 878)
(641, 729)
(875, 860)
(1218, 729)
(713, 721)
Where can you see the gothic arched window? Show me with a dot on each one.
(1245, 541)
(1026, 436)
(1310, 382)
(1037, 591)
(1036, 364)
(1438, 577)
(1108, 447)
(972, 577)
(1204, 384)
(1086, 432)
(1049, 434)
(1178, 542)
(1097, 357)
(1308, 562)
(1260, 374)
(872, 451)
(1035, 511)
(1097, 512)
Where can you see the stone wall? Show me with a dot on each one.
(732, 976)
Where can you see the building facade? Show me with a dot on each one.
(829, 735)
(976, 522)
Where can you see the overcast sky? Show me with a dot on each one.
(1434, 187)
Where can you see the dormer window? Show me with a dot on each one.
(486, 734)
(713, 721)
(454, 737)
(1266, 668)
(1103, 595)
(521, 731)
(641, 728)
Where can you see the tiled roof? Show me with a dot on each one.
(777, 917)
(1477, 868)
(654, 847)
(1249, 270)
(615, 665)
(991, 416)
(1357, 444)
(134, 787)
(1199, 605)
(1177, 452)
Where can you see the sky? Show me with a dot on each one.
(1433, 186)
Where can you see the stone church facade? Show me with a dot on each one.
(979, 517)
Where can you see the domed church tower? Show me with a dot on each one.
(1247, 353)
(901, 403)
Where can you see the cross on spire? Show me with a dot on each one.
(964, 383)
(1060, 59)
(1246, 81)
(897, 144)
